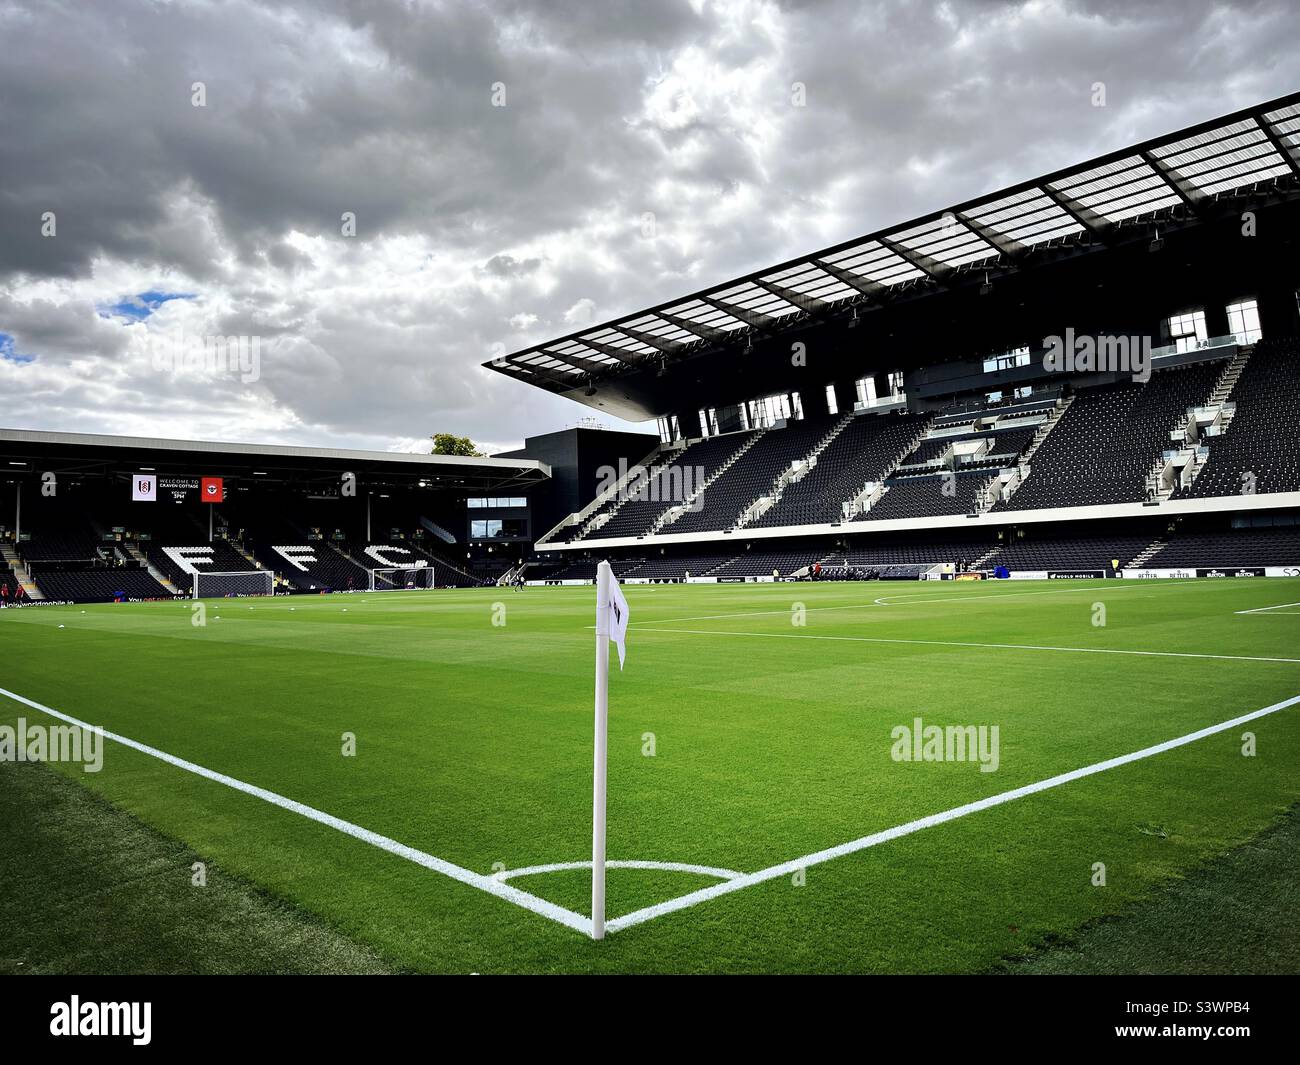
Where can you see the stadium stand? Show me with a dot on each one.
(1261, 449)
(167, 559)
(586, 570)
(1268, 546)
(311, 566)
(867, 448)
(909, 552)
(765, 563)
(668, 485)
(927, 495)
(678, 568)
(394, 553)
(1050, 552)
(752, 475)
(1106, 441)
(99, 585)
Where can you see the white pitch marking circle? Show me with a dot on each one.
(671, 867)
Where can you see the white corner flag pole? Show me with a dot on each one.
(604, 577)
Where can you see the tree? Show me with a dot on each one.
(451, 444)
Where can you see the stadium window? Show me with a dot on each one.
(1008, 359)
(1187, 331)
(1243, 321)
(832, 406)
(992, 397)
(770, 409)
(1024, 391)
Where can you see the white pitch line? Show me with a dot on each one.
(980, 646)
(671, 867)
(818, 857)
(1280, 608)
(490, 884)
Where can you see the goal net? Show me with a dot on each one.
(401, 578)
(237, 583)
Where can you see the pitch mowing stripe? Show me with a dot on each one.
(817, 857)
(489, 884)
(957, 643)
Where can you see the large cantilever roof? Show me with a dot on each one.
(1181, 175)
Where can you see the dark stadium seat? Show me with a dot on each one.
(1103, 446)
(1261, 449)
(1048, 552)
(668, 483)
(864, 450)
(224, 559)
(752, 475)
(1261, 546)
(99, 585)
(927, 495)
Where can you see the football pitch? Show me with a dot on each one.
(415, 769)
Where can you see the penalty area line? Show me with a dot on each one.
(489, 884)
(793, 866)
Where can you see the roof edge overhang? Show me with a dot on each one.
(1183, 178)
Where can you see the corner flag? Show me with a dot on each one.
(611, 625)
(618, 614)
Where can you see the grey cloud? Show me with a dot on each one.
(518, 213)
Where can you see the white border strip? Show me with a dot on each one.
(817, 857)
(490, 884)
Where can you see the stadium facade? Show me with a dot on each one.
(1093, 373)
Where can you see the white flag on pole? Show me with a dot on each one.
(618, 614)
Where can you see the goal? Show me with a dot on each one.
(208, 585)
(401, 578)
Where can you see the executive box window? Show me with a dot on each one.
(498, 529)
(484, 502)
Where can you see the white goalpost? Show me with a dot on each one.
(401, 578)
(210, 585)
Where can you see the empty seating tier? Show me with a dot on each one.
(1260, 452)
(1270, 546)
(752, 475)
(865, 450)
(1103, 446)
(670, 484)
(1069, 552)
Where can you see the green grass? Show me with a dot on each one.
(90, 889)
(772, 741)
(1239, 914)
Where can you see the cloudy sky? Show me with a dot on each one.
(171, 171)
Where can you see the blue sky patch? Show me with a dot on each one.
(9, 353)
(140, 306)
